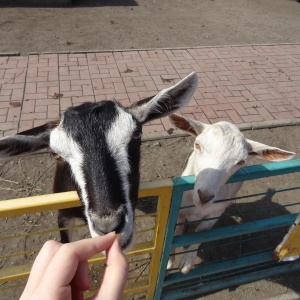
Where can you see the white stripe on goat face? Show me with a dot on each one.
(62, 144)
(118, 138)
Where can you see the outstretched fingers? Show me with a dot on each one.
(70, 255)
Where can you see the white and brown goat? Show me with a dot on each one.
(97, 146)
(219, 151)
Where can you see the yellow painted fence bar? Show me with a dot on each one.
(164, 191)
(289, 248)
(161, 189)
(21, 206)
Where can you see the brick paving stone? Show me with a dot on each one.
(33, 116)
(166, 123)
(153, 128)
(3, 119)
(252, 118)
(65, 103)
(25, 125)
(282, 115)
(208, 111)
(238, 83)
(234, 116)
(13, 114)
(41, 88)
(53, 112)
(265, 113)
(201, 117)
(77, 100)
(296, 113)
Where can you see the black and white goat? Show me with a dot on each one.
(97, 146)
(219, 151)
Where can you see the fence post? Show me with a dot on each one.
(180, 185)
(163, 209)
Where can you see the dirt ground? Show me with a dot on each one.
(33, 175)
(127, 24)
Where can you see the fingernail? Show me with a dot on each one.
(112, 233)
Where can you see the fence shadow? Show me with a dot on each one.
(238, 246)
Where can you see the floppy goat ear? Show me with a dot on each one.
(27, 141)
(166, 101)
(267, 152)
(192, 127)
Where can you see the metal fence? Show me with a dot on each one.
(228, 256)
(233, 254)
(20, 246)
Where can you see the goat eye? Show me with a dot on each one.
(55, 155)
(241, 162)
(136, 135)
(197, 146)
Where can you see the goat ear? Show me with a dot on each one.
(267, 152)
(20, 144)
(40, 129)
(27, 141)
(166, 101)
(192, 127)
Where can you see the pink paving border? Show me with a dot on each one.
(241, 84)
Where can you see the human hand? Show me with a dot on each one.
(60, 271)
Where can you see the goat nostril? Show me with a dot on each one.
(204, 198)
(107, 226)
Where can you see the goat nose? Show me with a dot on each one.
(105, 225)
(204, 198)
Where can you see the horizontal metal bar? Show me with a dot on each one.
(272, 192)
(29, 205)
(133, 288)
(231, 231)
(266, 170)
(12, 287)
(239, 214)
(248, 196)
(41, 232)
(231, 281)
(136, 277)
(22, 271)
(215, 268)
(220, 276)
(249, 173)
(19, 253)
(146, 215)
(145, 230)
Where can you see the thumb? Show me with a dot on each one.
(115, 275)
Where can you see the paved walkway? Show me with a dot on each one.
(242, 84)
